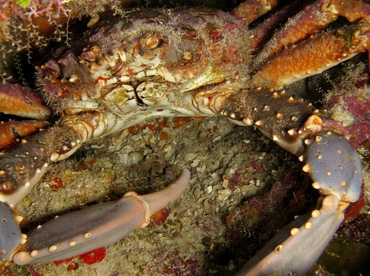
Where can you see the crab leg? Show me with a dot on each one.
(28, 164)
(262, 33)
(307, 22)
(96, 226)
(334, 167)
(11, 132)
(22, 167)
(21, 170)
(21, 102)
(297, 63)
(253, 9)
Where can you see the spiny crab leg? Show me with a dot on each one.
(13, 131)
(304, 24)
(20, 101)
(253, 9)
(334, 167)
(298, 63)
(25, 165)
(96, 226)
(18, 179)
(23, 168)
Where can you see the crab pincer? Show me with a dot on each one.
(10, 234)
(91, 227)
(335, 168)
(332, 163)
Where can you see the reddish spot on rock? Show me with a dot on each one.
(181, 121)
(102, 79)
(90, 161)
(256, 166)
(164, 136)
(85, 164)
(32, 270)
(178, 266)
(133, 130)
(354, 209)
(73, 266)
(360, 132)
(216, 33)
(91, 257)
(57, 263)
(357, 107)
(94, 256)
(150, 127)
(240, 176)
(45, 26)
(236, 180)
(160, 217)
(58, 184)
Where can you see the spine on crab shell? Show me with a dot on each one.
(96, 226)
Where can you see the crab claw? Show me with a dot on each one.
(10, 234)
(96, 226)
(304, 239)
(335, 168)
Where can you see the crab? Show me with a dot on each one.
(175, 63)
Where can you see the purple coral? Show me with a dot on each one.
(349, 103)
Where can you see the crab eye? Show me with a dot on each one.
(187, 56)
(21, 168)
(95, 49)
(7, 186)
(151, 41)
